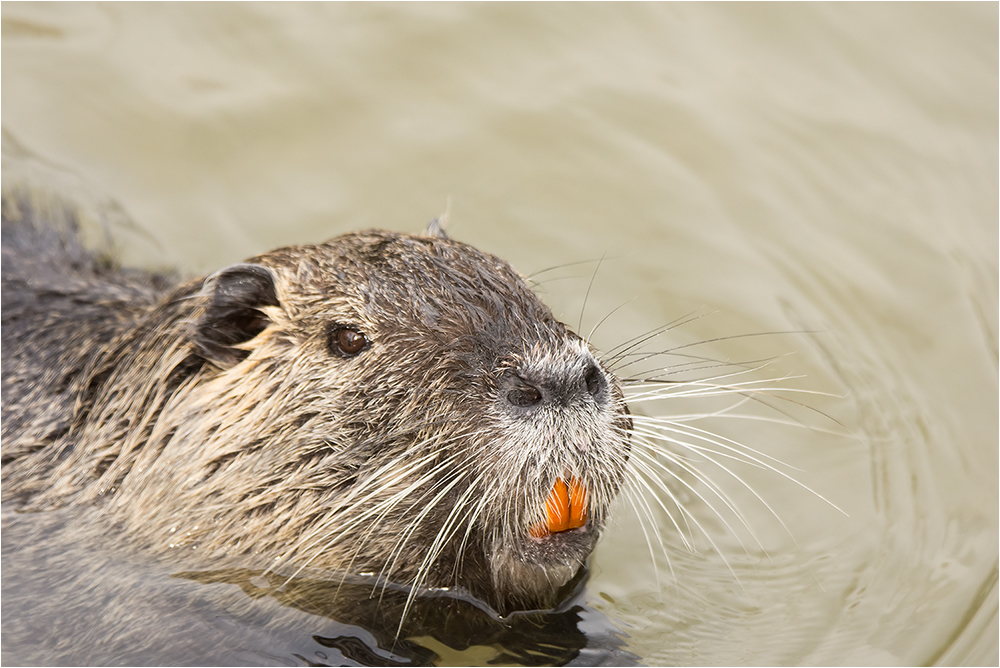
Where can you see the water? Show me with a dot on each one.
(822, 175)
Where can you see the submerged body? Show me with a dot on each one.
(385, 404)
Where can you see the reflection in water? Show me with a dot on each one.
(438, 621)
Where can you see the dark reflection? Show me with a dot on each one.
(357, 650)
(435, 623)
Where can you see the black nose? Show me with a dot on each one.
(556, 387)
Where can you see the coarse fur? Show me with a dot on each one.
(221, 420)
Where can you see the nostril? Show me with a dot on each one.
(594, 380)
(558, 390)
(524, 397)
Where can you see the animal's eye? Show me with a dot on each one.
(347, 341)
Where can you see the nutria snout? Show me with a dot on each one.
(400, 405)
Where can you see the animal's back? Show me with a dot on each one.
(62, 306)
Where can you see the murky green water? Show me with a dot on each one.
(828, 170)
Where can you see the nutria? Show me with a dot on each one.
(388, 404)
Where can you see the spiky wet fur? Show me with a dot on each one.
(125, 390)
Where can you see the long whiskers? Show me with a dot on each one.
(674, 449)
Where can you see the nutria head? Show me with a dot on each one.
(381, 403)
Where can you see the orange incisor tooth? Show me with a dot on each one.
(577, 504)
(565, 508)
(557, 507)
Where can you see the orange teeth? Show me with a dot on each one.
(565, 508)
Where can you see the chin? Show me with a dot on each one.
(534, 573)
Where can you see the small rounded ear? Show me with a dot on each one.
(233, 315)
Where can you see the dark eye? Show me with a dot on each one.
(347, 341)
